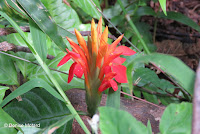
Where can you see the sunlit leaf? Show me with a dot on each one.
(163, 6)
(114, 121)
(177, 119)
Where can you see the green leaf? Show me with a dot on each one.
(113, 11)
(148, 76)
(177, 119)
(2, 92)
(42, 18)
(5, 7)
(5, 121)
(18, 29)
(170, 15)
(180, 18)
(113, 98)
(40, 108)
(3, 38)
(149, 127)
(27, 87)
(88, 7)
(145, 10)
(38, 72)
(144, 30)
(65, 16)
(39, 40)
(8, 73)
(25, 67)
(150, 97)
(14, 5)
(63, 32)
(29, 130)
(126, 90)
(150, 81)
(56, 125)
(168, 100)
(172, 66)
(113, 121)
(163, 6)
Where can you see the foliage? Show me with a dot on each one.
(137, 9)
(42, 89)
(6, 119)
(168, 65)
(8, 73)
(179, 115)
(39, 107)
(119, 122)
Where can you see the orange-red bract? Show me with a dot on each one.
(104, 62)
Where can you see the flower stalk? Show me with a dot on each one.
(99, 62)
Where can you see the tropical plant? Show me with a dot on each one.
(43, 59)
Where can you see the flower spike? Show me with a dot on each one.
(99, 62)
(94, 38)
(99, 27)
(82, 43)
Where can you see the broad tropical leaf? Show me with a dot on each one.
(64, 16)
(42, 18)
(114, 121)
(177, 119)
(40, 108)
(27, 87)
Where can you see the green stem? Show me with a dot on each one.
(62, 93)
(155, 26)
(154, 30)
(93, 97)
(133, 27)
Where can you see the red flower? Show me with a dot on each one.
(97, 60)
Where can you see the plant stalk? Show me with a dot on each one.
(133, 27)
(62, 93)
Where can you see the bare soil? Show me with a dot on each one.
(140, 110)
